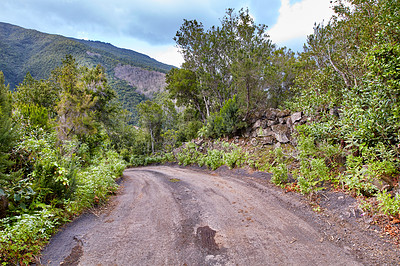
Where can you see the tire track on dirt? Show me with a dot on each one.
(174, 216)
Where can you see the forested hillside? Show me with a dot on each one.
(24, 51)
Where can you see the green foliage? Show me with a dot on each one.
(313, 169)
(43, 94)
(225, 154)
(79, 102)
(23, 236)
(8, 136)
(215, 126)
(143, 160)
(226, 122)
(191, 130)
(189, 155)
(46, 175)
(235, 58)
(151, 118)
(182, 85)
(35, 115)
(38, 54)
(280, 174)
(97, 181)
(214, 159)
(234, 158)
(231, 118)
(364, 171)
(387, 204)
(311, 174)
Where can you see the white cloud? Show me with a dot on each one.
(168, 55)
(297, 20)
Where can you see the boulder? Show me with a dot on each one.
(281, 133)
(272, 122)
(198, 141)
(268, 140)
(270, 114)
(282, 120)
(254, 142)
(396, 192)
(267, 132)
(283, 113)
(257, 124)
(289, 123)
(296, 117)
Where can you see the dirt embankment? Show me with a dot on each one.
(173, 216)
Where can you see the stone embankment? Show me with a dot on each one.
(274, 127)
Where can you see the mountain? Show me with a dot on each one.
(133, 75)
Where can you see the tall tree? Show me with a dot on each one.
(86, 100)
(151, 118)
(226, 60)
(183, 86)
(251, 52)
(75, 106)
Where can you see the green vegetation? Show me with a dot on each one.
(351, 68)
(346, 80)
(64, 139)
(28, 51)
(234, 59)
(56, 154)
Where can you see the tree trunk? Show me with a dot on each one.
(152, 141)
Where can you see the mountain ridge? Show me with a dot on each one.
(25, 51)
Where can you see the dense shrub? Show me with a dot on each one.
(22, 236)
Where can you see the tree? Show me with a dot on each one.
(222, 62)
(86, 102)
(75, 113)
(183, 86)
(352, 64)
(280, 76)
(151, 118)
(334, 56)
(251, 52)
(7, 134)
(43, 93)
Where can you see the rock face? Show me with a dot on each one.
(146, 82)
(275, 126)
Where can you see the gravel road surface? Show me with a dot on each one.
(176, 216)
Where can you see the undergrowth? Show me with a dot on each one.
(23, 235)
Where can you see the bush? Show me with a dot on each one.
(215, 126)
(22, 237)
(226, 122)
(214, 159)
(387, 204)
(311, 174)
(97, 181)
(189, 155)
(234, 158)
(280, 174)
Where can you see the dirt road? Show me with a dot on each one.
(174, 216)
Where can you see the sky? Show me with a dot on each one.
(148, 26)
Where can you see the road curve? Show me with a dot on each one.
(175, 216)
